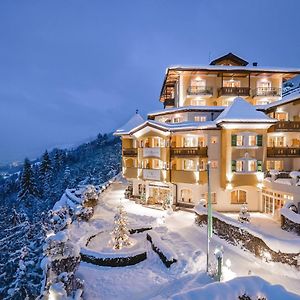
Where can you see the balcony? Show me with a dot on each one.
(234, 91)
(169, 102)
(130, 172)
(286, 126)
(200, 91)
(155, 174)
(130, 152)
(283, 152)
(267, 92)
(183, 176)
(189, 151)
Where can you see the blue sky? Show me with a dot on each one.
(72, 69)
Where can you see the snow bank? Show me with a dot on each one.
(254, 287)
(273, 242)
(289, 214)
(294, 174)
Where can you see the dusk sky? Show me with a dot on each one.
(72, 69)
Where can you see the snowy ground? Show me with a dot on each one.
(150, 279)
(266, 224)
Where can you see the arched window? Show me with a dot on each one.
(238, 197)
(186, 195)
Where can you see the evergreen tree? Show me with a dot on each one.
(45, 165)
(58, 160)
(27, 183)
(45, 173)
(120, 232)
(67, 177)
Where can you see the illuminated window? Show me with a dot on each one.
(197, 118)
(252, 165)
(189, 164)
(240, 140)
(186, 195)
(238, 197)
(239, 166)
(213, 197)
(232, 83)
(281, 116)
(252, 140)
(190, 141)
(177, 120)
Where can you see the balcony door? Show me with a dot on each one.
(232, 83)
(263, 86)
(198, 83)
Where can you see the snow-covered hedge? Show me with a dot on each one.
(166, 254)
(117, 259)
(267, 247)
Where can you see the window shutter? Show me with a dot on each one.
(259, 139)
(233, 140)
(233, 165)
(259, 166)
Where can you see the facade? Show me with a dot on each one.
(228, 114)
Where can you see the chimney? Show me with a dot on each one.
(254, 64)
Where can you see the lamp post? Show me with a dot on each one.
(209, 216)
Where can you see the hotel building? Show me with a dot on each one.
(229, 114)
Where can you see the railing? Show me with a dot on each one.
(130, 152)
(283, 151)
(267, 92)
(189, 151)
(200, 90)
(234, 91)
(286, 126)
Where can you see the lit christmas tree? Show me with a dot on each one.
(120, 233)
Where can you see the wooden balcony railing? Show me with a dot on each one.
(234, 91)
(200, 90)
(130, 152)
(267, 92)
(189, 151)
(285, 126)
(283, 152)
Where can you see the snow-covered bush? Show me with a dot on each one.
(58, 219)
(84, 213)
(244, 215)
(90, 196)
(62, 261)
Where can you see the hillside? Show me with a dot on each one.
(23, 215)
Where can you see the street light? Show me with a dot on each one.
(209, 216)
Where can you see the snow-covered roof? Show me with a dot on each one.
(236, 68)
(186, 108)
(176, 126)
(285, 100)
(135, 121)
(242, 111)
